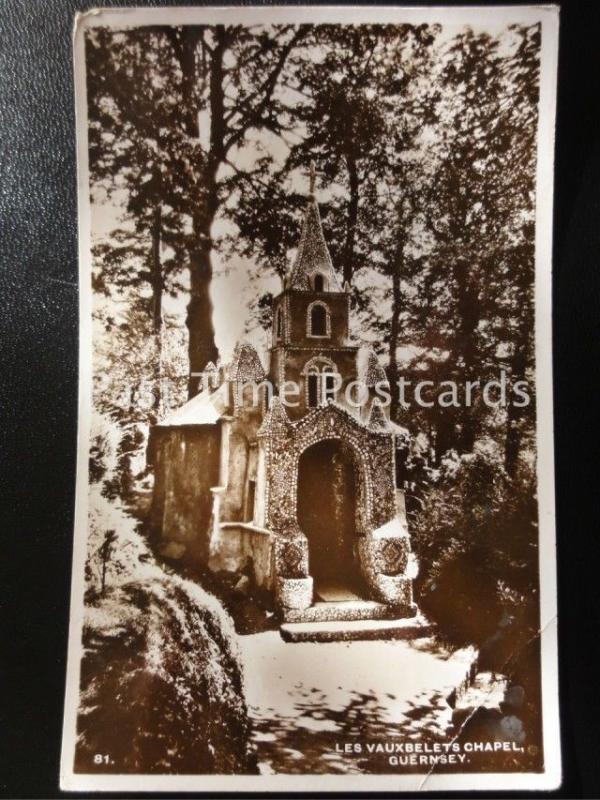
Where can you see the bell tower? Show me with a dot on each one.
(310, 337)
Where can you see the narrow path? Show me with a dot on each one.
(309, 700)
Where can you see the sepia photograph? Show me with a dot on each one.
(314, 526)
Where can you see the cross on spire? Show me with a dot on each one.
(312, 255)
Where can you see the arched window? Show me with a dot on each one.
(318, 319)
(321, 381)
(319, 282)
(279, 324)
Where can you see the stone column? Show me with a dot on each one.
(215, 525)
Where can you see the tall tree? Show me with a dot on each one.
(355, 110)
(130, 164)
(190, 97)
(513, 326)
(480, 209)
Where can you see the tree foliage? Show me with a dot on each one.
(424, 142)
(171, 110)
(475, 532)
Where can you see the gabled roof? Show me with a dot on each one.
(332, 405)
(206, 408)
(312, 255)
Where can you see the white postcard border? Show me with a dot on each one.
(550, 778)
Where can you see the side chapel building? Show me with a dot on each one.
(303, 496)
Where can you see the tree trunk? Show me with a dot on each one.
(202, 347)
(157, 295)
(348, 258)
(187, 55)
(393, 372)
(466, 349)
(512, 441)
(205, 199)
(514, 415)
(444, 423)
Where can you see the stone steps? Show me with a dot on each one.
(355, 630)
(346, 611)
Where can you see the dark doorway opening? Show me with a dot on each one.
(327, 516)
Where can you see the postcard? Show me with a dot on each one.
(314, 546)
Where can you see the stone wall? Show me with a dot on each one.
(238, 463)
(236, 545)
(185, 461)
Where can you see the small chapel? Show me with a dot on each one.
(302, 496)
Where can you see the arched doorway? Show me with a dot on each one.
(327, 492)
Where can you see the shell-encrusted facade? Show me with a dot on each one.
(302, 488)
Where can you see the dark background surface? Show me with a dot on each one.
(38, 386)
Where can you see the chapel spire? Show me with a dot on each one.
(312, 257)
